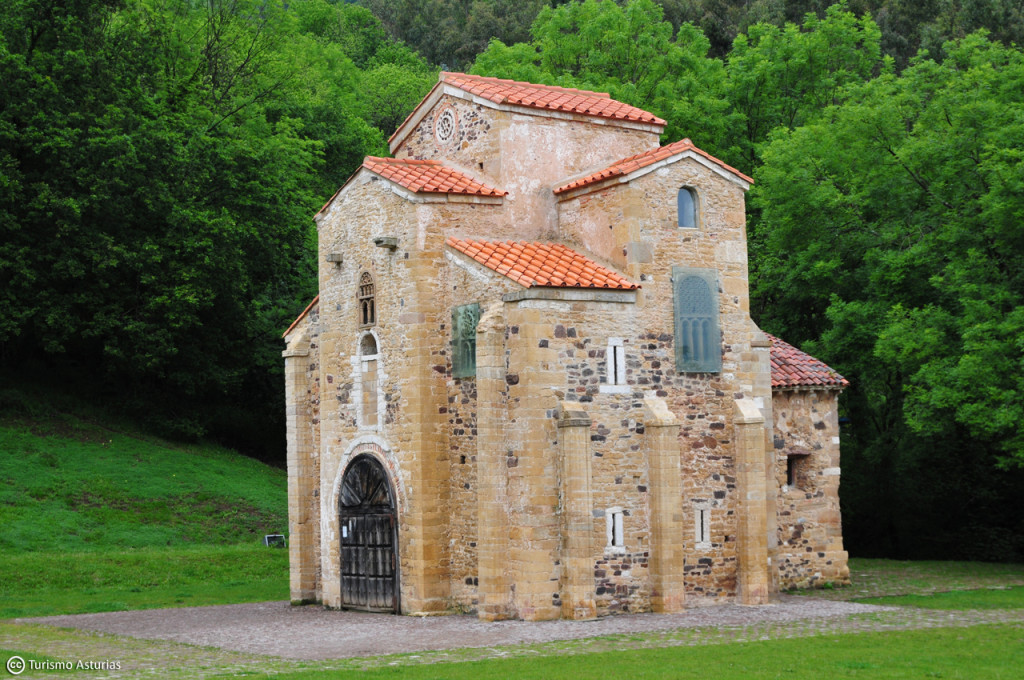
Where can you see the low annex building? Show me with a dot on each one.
(530, 386)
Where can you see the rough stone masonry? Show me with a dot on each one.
(530, 386)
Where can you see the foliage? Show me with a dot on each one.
(785, 77)
(628, 51)
(891, 232)
(452, 32)
(161, 161)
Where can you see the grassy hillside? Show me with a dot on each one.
(96, 516)
(71, 486)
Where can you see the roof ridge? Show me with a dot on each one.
(793, 368)
(408, 161)
(623, 166)
(524, 83)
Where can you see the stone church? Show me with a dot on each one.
(530, 386)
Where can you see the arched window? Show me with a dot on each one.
(367, 310)
(367, 369)
(697, 341)
(686, 205)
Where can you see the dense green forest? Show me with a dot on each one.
(160, 161)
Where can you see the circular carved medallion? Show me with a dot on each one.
(444, 126)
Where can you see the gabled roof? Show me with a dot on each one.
(541, 264)
(301, 316)
(421, 177)
(550, 97)
(626, 166)
(428, 176)
(792, 368)
(501, 93)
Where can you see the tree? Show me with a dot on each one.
(628, 51)
(786, 76)
(891, 247)
(156, 199)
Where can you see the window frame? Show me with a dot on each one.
(366, 294)
(615, 530)
(711, 360)
(694, 209)
(464, 340)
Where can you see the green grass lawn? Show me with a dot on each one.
(71, 486)
(93, 519)
(44, 584)
(990, 652)
(101, 520)
(992, 598)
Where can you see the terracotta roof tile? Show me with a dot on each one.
(301, 316)
(541, 264)
(549, 97)
(640, 160)
(793, 368)
(428, 176)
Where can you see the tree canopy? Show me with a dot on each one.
(160, 162)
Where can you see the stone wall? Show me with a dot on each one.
(478, 463)
(302, 387)
(412, 316)
(809, 526)
(523, 154)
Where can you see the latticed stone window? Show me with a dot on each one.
(464, 321)
(367, 307)
(697, 340)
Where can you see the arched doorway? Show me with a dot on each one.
(369, 553)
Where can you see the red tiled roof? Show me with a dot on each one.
(428, 176)
(793, 368)
(640, 160)
(541, 264)
(301, 316)
(549, 97)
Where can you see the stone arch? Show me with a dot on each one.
(368, 547)
(380, 449)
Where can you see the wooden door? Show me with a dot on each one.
(369, 555)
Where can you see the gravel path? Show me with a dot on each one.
(313, 633)
(206, 642)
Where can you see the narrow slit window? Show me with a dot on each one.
(615, 367)
(615, 530)
(686, 205)
(367, 306)
(702, 526)
(616, 362)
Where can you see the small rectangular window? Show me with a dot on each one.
(464, 321)
(615, 367)
(615, 530)
(702, 526)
